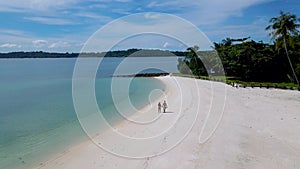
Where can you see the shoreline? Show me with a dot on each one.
(86, 141)
(259, 128)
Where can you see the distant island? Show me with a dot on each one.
(117, 53)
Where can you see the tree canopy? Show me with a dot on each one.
(283, 29)
(246, 60)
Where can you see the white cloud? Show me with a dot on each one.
(205, 12)
(152, 15)
(49, 5)
(12, 32)
(211, 13)
(34, 5)
(166, 45)
(25, 41)
(50, 21)
(121, 11)
(59, 44)
(123, 0)
(164, 25)
(197, 11)
(39, 43)
(152, 4)
(98, 6)
(238, 31)
(10, 45)
(93, 16)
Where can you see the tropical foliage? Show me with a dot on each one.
(247, 60)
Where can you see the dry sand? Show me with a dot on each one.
(256, 129)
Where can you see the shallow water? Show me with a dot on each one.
(37, 117)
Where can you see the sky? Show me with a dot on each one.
(66, 25)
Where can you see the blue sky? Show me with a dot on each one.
(65, 25)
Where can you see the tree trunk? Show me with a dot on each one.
(290, 62)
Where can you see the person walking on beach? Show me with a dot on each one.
(165, 106)
(159, 107)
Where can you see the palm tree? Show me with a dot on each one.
(282, 28)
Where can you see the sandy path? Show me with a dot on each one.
(259, 129)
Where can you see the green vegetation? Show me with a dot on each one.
(284, 28)
(246, 62)
(249, 63)
(39, 54)
(118, 53)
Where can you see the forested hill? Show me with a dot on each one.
(119, 53)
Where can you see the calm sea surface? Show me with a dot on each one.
(37, 117)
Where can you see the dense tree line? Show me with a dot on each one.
(38, 54)
(257, 61)
(117, 53)
(247, 60)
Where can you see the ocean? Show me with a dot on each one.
(37, 116)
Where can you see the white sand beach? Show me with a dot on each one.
(250, 128)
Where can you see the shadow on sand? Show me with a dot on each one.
(168, 112)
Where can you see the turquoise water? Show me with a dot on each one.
(37, 117)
